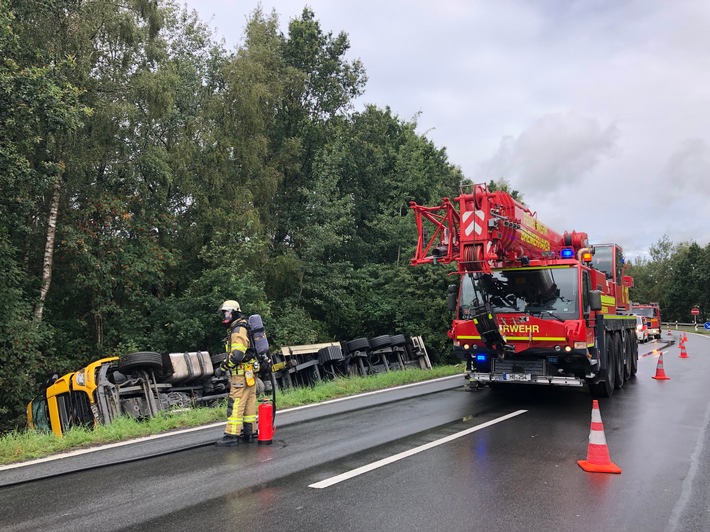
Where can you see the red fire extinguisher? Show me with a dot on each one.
(267, 415)
(266, 423)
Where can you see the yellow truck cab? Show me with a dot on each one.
(68, 401)
(137, 384)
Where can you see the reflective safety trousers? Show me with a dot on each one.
(241, 405)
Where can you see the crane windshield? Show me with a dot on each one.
(542, 292)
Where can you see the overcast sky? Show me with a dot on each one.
(598, 111)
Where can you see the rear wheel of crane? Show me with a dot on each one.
(610, 382)
(627, 354)
(619, 360)
(631, 366)
(634, 353)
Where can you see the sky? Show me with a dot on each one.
(597, 111)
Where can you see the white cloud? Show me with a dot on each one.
(557, 151)
(688, 169)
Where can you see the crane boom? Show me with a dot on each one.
(489, 229)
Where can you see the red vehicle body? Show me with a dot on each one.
(532, 305)
(652, 313)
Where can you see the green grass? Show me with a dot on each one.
(684, 328)
(20, 446)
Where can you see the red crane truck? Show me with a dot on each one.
(532, 305)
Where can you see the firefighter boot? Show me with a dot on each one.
(228, 440)
(248, 434)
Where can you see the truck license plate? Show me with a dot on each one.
(517, 376)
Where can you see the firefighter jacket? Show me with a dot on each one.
(240, 355)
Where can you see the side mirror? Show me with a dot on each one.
(627, 281)
(451, 298)
(595, 300)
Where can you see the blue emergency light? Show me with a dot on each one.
(567, 253)
(480, 358)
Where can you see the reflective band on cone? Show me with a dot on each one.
(598, 460)
(660, 372)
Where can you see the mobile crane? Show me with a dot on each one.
(532, 306)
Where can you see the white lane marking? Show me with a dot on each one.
(374, 465)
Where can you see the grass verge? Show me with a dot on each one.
(20, 446)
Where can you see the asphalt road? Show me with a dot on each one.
(445, 460)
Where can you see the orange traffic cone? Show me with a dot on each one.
(683, 352)
(598, 460)
(669, 331)
(660, 372)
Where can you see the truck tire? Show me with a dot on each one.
(218, 358)
(619, 356)
(380, 341)
(358, 344)
(398, 339)
(629, 369)
(142, 359)
(606, 387)
(634, 355)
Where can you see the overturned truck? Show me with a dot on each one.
(136, 384)
(142, 384)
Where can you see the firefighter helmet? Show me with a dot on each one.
(230, 311)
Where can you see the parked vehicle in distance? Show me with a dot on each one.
(641, 329)
(652, 313)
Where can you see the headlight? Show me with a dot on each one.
(80, 377)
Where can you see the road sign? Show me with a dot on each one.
(707, 325)
(695, 311)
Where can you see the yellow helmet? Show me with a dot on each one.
(230, 310)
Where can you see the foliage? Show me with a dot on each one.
(676, 277)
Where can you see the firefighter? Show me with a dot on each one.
(242, 367)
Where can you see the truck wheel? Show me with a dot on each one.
(611, 363)
(634, 357)
(358, 344)
(398, 339)
(628, 355)
(218, 358)
(619, 359)
(380, 341)
(606, 387)
(143, 359)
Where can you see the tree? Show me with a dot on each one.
(39, 110)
